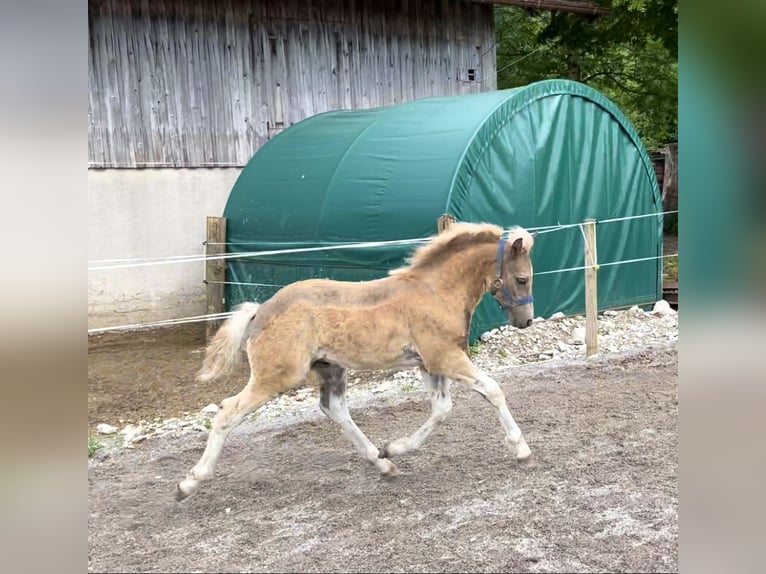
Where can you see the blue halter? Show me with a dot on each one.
(498, 284)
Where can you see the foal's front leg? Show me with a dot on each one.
(460, 368)
(332, 401)
(441, 405)
(487, 387)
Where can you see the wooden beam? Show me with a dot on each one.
(591, 291)
(444, 222)
(215, 270)
(574, 6)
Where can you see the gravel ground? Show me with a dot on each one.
(291, 494)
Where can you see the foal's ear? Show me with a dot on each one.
(518, 247)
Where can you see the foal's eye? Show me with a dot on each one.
(522, 280)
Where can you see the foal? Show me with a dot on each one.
(418, 316)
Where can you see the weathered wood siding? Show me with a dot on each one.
(193, 83)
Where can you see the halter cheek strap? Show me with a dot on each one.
(498, 285)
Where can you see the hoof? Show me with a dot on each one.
(182, 494)
(390, 470)
(522, 452)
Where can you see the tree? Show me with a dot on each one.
(630, 54)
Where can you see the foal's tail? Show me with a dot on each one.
(223, 351)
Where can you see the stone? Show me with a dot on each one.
(130, 430)
(104, 428)
(211, 409)
(662, 308)
(557, 316)
(578, 336)
(100, 455)
(486, 336)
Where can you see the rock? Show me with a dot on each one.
(538, 320)
(130, 431)
(104, 428)
(662, 308)
(562, 346)
(211, 409)
(138, 438)
(558, 316)
(486, 336)
(544, 356)
(578, 336)
(100, 455)
(610, 313)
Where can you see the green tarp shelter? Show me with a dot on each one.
(553, 152)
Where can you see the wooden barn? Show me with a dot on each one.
(181, 93)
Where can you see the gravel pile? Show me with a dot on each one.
(557, 337)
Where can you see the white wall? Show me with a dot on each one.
(150, 213)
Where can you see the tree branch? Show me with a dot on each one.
(574, 6)
(625, 88)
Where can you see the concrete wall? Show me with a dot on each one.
(150, 213)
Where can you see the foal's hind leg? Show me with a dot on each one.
(441, 405)
(233, 410)
(332, 401)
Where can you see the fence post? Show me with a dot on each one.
(215, 270)
(444, 221)
(591, 288)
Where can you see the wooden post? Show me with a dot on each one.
(215, 270)
(444, 222)
(591, 288)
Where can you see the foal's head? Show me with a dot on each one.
(512, 287)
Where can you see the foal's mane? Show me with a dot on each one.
(457, 237)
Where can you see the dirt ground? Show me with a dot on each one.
(147, 375)
(599, 493)
(142, 375)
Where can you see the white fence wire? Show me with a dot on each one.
(106, 264)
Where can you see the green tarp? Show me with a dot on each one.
(553, 152)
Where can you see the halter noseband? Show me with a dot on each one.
(498, 285)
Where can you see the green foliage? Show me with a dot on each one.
(629, 54)
(473, 350)
(670, 271)
(409, 386)
(93, 445)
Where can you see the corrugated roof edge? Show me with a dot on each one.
(557, 87)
